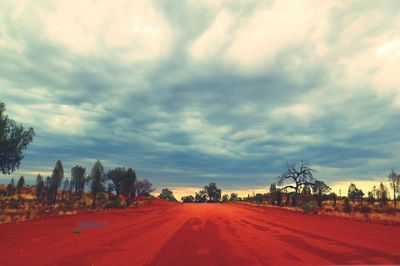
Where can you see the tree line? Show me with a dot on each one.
(297, 186)
(119, 181)
(210, 193)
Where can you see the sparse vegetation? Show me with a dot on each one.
(59, 196)
(314, 196)
(119, 188)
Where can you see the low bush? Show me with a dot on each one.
(113, 204)
(310, 207)
(386, 210)
(347, 207)
(365, 209)
(129, 202)
(102, 199)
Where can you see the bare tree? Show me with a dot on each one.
(143, 187)
(296, 178)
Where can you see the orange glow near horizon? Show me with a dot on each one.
(340, 188)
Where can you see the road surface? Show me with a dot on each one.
(198, 234)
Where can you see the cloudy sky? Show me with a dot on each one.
(227, 91)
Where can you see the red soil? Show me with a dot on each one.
(198, 234)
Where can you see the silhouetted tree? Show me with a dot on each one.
(3, 192)
(272, 193)
(187, 199)
(288, 197)
(320, 188)
(213, 192)
(233, 197)
(14, 139)
(71, 187)
(371, 198)
(167, 194)
(360, 196)
(306, 194)
(110, 189)
(306, 190)
(11, 188)
(47, 188)
(225, 198)
(128, 185)
(201, 196)
(117, 176)
(346, 206)
(78, 180)
(144, 187)
(258, 198)
(20, 185)
(394, 179)
(333, 197)
(97, 179)
(352, 192)
(296, 177)
(56, 179)
(40, 189)
(382, 192)
(65, 189)
(278, 194)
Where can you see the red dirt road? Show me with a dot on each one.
(198, 234)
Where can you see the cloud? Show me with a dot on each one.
(129, 30)
(205, 91)
(213, 39)
(278, 26)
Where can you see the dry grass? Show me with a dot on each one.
(367, 213)
(15, 209)
(371, 213)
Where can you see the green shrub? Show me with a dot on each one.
(365, 209)
(76, 231)
(128, 201)
(310, 207)
(347, 207)
(102, 199)
(386, 210)
(113, 204)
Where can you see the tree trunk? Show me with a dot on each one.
(294, 198)
(394, 196)
(94, 201)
